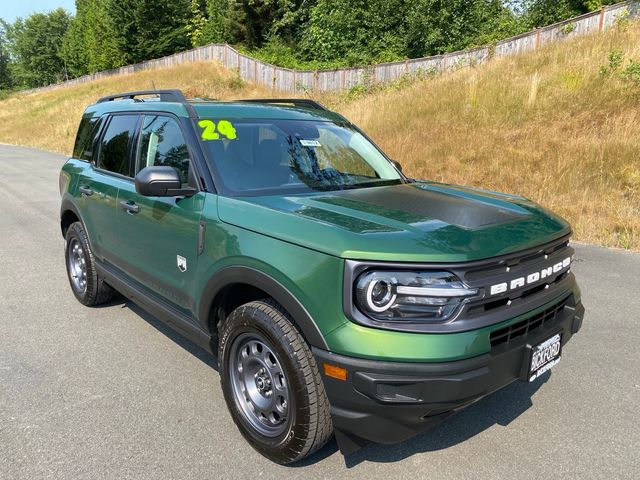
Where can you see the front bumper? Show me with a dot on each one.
(388, 402)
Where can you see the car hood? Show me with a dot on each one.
(415, 222)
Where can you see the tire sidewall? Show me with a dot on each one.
(76, 231)
(284, 447)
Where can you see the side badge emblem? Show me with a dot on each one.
(182, 263)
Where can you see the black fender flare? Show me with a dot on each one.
(68, 206)
(251, 276)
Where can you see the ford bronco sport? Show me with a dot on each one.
(339, 295)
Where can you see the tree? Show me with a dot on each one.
(436, 27)
(196, 25)
(539, 13)
(364, 31)
(255, 22)
(357, 31)
(264, 19)
(217, 24)
(73, 50)
(35, 44)
(292, 19)
(146, 29)
(90, 44)
(5, 73)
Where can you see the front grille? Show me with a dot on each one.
(484, 305)
(521, 329)
(515, 262)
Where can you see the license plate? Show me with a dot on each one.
(544, 356)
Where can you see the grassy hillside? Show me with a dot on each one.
(550, 125)
(49, 120)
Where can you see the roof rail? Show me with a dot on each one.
(165, 96)
(297, 102)
(172, 95)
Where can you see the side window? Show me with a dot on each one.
(162, 144)
(82, 149)
(114, 148)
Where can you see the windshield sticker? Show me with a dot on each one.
(309, 143)
(225, 127)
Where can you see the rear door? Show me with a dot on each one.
(98, 185)
(159, 235)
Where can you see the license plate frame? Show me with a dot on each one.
(542, 357)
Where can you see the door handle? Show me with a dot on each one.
(86, 191)
(130, 207)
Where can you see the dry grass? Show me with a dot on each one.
(49, 120)
(545, 125)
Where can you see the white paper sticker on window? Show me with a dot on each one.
(309, 143)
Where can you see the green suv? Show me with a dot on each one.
(340, 296)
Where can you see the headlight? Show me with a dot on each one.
(417, 296)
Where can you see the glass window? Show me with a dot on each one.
(162, 144)
(82, 149)
(114, 149)
(260, 157)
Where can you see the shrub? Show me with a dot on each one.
(631, 72)
(614, 63)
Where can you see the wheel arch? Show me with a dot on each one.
(251, 278)
(68, 215)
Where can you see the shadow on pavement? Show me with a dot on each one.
(499, 408)
(195, 350)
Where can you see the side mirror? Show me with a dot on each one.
(161, 182)
(397, 164)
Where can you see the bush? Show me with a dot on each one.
(4, 93)
(614, 63)
(631, 72)
(278, 53)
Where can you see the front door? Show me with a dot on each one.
(159, 235)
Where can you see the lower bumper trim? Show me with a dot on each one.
(388, 402)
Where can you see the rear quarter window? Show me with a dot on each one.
(83, 148)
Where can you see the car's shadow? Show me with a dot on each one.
(197, 351)
(499, 408)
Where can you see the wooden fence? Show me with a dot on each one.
(288, 80)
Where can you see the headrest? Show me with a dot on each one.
(270, 153)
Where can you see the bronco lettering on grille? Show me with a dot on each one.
(530, 278)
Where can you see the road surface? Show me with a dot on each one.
(111, 393)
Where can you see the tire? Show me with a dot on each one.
(260, 337)
(88, 287)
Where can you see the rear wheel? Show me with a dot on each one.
(88, 287)
(271, 383)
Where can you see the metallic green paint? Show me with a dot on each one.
(97, 209)
(358, 229)
(313, 278)
(151, 241)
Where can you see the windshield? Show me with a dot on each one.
(263, 157)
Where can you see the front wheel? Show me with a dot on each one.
(271, 383)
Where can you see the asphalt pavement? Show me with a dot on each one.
(111, 393)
